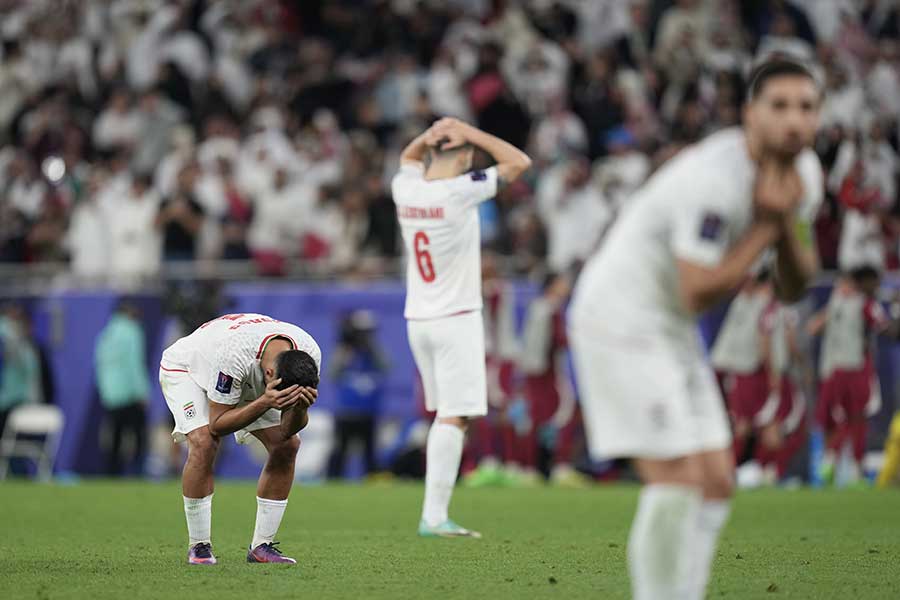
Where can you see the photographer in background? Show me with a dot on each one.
(358, 368)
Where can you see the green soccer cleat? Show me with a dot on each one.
(826, 473)
(447, 529)
(485, 476)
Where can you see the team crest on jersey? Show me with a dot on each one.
(223, 383)
(189, 412)
(712, 226)
(478, 175)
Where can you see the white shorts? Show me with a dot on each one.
(189, 405)
(641, 402)
(449, 353)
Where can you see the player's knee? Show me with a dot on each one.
(718, 485)
(461, 422)
(285, 452)
(741, 429)
(202, 446)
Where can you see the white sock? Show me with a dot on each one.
(660, 541)
(268, 520)
(198, 512)
(443, 453)
(710, 520)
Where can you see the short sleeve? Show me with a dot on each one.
(475, 186)
(409, 172)
(226, 376)
(700, 226)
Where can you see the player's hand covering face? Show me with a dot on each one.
(289, 397)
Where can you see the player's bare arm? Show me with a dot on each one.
(776, 195)
(227, 418)
(817, 322)
(797, 262)
(511, 162)
(703, 287)
(414, 152)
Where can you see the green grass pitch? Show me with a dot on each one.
(128, 541)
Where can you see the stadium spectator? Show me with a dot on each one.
(574, 211)
(180, 218)
(124, 386)
(134, 89)
(133, 240)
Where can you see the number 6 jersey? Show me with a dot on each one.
(441, 232)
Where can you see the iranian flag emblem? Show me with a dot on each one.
(189, 412)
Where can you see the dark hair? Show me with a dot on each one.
(296, 367)
(435, 152)
(864, 273)
(770, 69)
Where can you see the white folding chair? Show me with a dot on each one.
(42, 420)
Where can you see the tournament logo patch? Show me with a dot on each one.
(711, 227)
(189, 412)
(478, 175)
(223, 383)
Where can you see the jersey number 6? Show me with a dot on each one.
(423, 257)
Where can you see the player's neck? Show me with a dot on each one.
(754, 148)
(441, 170)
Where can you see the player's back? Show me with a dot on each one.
(442, 235)
(231, 343)
(694, 208)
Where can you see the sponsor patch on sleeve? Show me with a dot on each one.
(478, 175)
(712, 227)
(223, 383)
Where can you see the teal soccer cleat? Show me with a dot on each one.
(447, 529)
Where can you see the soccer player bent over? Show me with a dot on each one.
(688, 240)
(437, 205)
(244, 374)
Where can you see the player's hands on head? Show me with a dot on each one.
(777, 192)
(449, 133)
(280, 399)
(307, 397)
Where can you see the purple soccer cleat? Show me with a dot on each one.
(201, 554)
(268, 553)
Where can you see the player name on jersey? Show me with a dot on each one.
(418, 212)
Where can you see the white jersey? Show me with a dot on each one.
(694, 208)
(222, 356)
(778, 321)
(442, 235)
(851, 316)
(736, 349)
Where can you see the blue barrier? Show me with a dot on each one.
(68, 323)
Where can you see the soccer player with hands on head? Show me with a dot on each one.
(437, 194)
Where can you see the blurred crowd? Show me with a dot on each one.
(139, 132)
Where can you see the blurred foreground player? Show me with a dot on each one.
(688, 240)
(437, 205)
(245, 374)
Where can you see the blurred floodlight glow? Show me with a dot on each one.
(54, 168)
